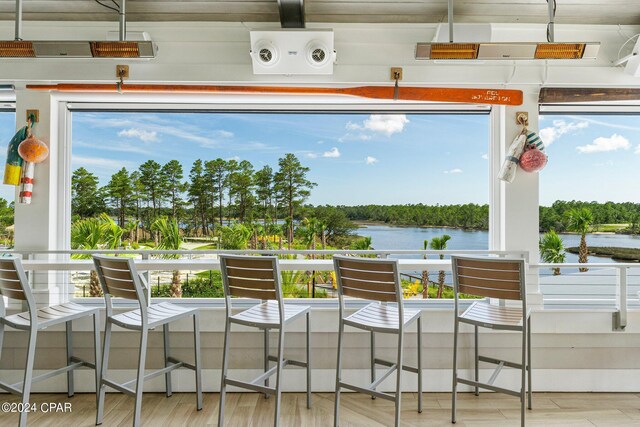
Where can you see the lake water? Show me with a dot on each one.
(387, 237)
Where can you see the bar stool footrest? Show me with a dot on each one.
(488, 387)
(250, 386)
(500, 361)
(121, 388)
(10, 388)
(289, 362)
(388, 363)
(368, 391)
(78, 363)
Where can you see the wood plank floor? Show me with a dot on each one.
(251, 409)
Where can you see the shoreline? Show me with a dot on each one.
(365, 224)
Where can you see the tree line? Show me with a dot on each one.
(215, 192)
(468, 216)
(555, 217)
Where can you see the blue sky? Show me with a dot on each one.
(354, 158)
(364, 158)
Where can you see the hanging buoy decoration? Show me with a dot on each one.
(510, 165)
(13, 166)
(526, 150)
(33, 151)
(533, 160)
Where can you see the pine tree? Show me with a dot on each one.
(263, 180)
(241, 187)
(215, 176)
(292, 186)
(86, 200)
(197, 196)
(172, 175)
(120, 191)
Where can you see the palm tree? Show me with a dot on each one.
(95, 233)
(170, 240)
(363, 244)
(111, 232)
(86, 234)
(579, 220)
(425, 274)
(322, 226)
(552, 250)
(440, 244)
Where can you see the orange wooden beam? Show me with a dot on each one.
(405, 93)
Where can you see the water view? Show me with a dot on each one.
(388, 237)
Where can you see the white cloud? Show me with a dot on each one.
(333, 153)
(387, 124)
(352, 137)
(637, 149)
(485, 156)
(224, 133)
(455, 170)
(370, 160)
(560, 127)
(311, 155)
(101, 163)
(141, 134)
(603, 144)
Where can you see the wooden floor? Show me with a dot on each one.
(251, 409)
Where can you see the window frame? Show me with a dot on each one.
(264, 105)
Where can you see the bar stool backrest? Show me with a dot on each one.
(251, 276)
(247, 276)
(366, 278)
(119, 278)
(14, 284)
(501, 278)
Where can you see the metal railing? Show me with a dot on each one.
(610, 286)
(314, 261)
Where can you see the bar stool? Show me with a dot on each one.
(500, 278)
(259, 278)
(14, 285)
(376, 280)
(119, 278)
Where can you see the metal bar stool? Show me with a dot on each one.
(376, 280)
(14, 285)
(119, 278)
(500, 278)
(259, 278)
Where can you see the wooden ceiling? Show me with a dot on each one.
(625, 12)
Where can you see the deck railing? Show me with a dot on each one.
(610, 286)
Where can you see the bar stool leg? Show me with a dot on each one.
(266, 358)
(373, 359)
(28, 374)
(308, 361)
(399, 377)
(69, 336)
(454, 389)
(1, 337)
(529, 360)
(96, 352)
(280, 362)
(140, 380)
(476, 361)
(336, 411)
(103, 371)
(419, 365)
(523, 378)
(167, 376)
(223, 375)
(197, 361)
